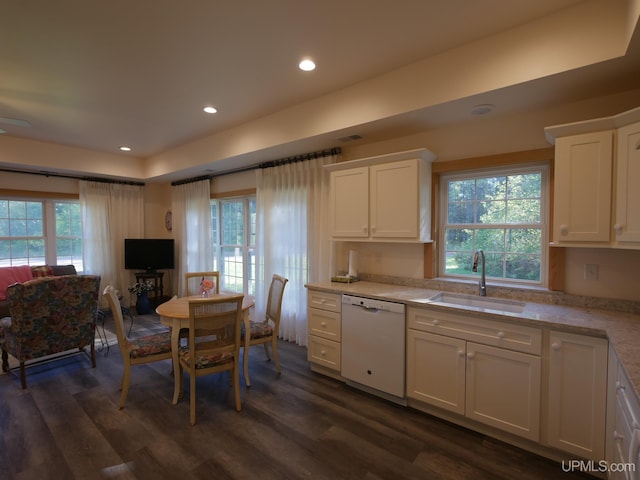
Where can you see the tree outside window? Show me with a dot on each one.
(500, 213)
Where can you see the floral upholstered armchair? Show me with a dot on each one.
(49, 315)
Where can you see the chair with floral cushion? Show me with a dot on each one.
(266, 331)
(50, 315)
(213, 344)
(137, 351)
(197, 282)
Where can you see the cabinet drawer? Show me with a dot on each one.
(324, 324)
(324, 352)
(331, 302)
(489, 332)
(627, 416)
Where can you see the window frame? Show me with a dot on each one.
(498, 170)
(49, 234)
(248, 248)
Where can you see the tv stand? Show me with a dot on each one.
(158, 284)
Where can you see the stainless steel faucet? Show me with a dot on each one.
(483, 282)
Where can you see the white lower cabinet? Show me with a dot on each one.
(503, 390)
(491, 383)
(324, 327)
(577, 394)
(623, 428)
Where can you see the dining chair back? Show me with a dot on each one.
(140, 350)
(265, 332)
(213, 343)
(196, 281)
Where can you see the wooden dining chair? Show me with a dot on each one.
(265, 332)
(213, 344)
(193, 282)
(137, 351)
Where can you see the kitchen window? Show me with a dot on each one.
(39, 232)
(502, 212)
(234, 240)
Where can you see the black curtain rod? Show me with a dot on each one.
(75, 177)
(269, 164)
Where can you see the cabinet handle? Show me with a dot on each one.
(618, 228)
(555, 346)
(500, 334)
(564, 229)
(471, 355)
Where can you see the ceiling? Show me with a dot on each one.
(98, 75)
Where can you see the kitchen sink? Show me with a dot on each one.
(477, 302)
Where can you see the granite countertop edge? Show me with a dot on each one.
(621, 328)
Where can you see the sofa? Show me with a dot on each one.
(10, 275)
(49, 315)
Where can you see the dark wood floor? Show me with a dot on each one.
(66, 425)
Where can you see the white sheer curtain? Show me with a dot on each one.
(111, 212)
(191, 210)
(292, 237)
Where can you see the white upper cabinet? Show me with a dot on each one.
(384, 198)
(582, 188)
(626, 227)
(597, 164)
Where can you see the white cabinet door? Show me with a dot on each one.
(582, 188)
(577, 394)
(503, 389)
(349, 203)
(627, 223)
(436, 370)
(394, 200)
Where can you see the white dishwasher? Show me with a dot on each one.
(373, 346)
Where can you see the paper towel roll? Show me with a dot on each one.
(353, 263)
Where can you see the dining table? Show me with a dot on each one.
(175, 314)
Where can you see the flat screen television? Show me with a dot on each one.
(149, 254)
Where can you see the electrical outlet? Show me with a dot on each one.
(590, 271)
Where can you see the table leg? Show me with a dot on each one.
(175, 346)
(247, 339)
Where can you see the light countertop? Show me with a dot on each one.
(621, 328)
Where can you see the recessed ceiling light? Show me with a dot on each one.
(210, 109)
(124, 148)
(307, 65)
(482, 109)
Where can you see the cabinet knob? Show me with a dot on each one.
(564, 229)
(617, 436)
(323, 353)
(323, 324)
(373, 229)
(500, 334)
(322, 300)
(555, 346)
(461, 353)
(471, 355)
(618, 228)
(364, 228)
(435, 322)
(619, 386)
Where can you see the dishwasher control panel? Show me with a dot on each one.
(372, 304)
